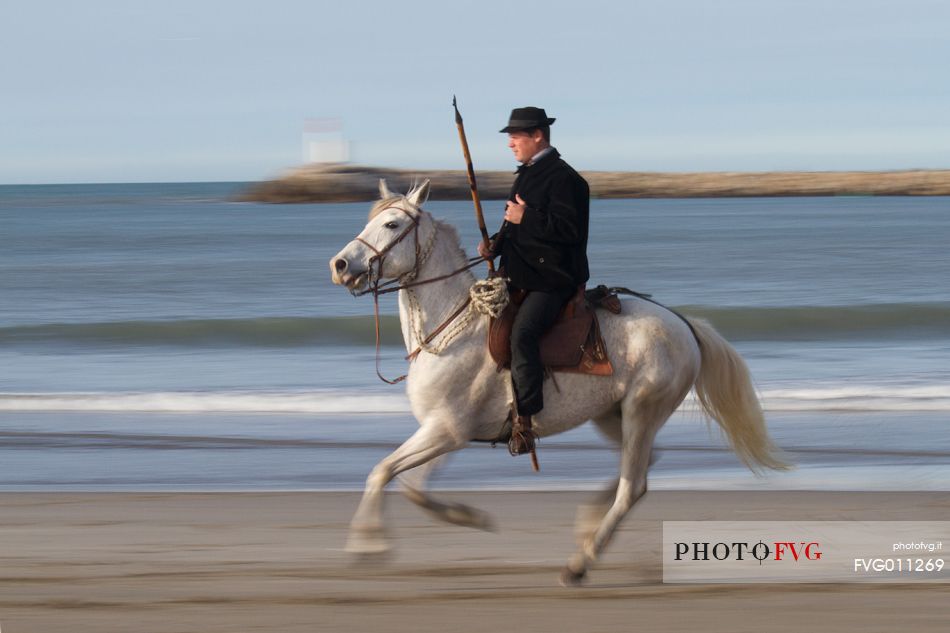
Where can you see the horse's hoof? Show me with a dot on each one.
(467, 516)
(368, 545)
(571, 578)
(371, 559)
(485, 523)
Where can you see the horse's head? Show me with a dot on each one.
(389, 245)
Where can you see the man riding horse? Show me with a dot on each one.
(543, 248)
(454, 388)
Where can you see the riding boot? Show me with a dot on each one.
(522, 439)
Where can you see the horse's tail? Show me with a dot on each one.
(727, 395)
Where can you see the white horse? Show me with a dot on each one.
(458, 396)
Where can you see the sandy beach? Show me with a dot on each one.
(275, 562)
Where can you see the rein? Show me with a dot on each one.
(387, 287)
(380, 288)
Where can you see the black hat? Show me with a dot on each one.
(526, 119)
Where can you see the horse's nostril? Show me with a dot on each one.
(340, 265)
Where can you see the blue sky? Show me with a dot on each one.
(131, 91)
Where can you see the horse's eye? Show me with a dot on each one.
(392, 225)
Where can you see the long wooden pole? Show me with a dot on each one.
(471, 182)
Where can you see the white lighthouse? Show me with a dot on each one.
(323, 142)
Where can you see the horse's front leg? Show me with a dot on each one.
(367, 535)
(414, 488)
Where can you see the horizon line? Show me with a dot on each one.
(406, 169)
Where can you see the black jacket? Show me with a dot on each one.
(548, 250)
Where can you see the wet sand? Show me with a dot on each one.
(274, 562)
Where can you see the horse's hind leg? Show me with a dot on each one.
(414, 488)
(590, 515)
(366, 529)
(640, 425)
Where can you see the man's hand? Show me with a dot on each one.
(484, 251)
(515, 210)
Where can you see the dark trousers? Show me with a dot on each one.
(535, 316)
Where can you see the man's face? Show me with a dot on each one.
(524, 145)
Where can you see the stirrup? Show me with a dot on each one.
(522, 440)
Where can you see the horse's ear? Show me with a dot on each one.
(417, 196)
(384, 192)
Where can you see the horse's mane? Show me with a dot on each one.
(450, 231)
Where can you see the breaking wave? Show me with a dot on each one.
(804, 323)
(933, 397)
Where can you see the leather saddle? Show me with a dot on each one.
(574, 343)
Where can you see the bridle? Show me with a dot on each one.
(380, 254)
(405, 281)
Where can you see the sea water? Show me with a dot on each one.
(166, 337)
